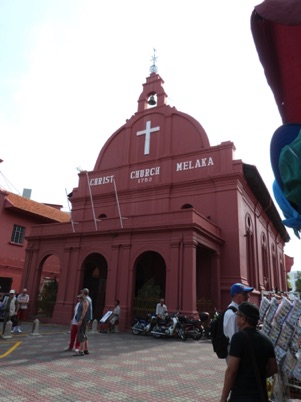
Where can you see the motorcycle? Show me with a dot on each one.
(193, 325)
(170, 327)
(206, 321)
(193, 328)
(144, 326)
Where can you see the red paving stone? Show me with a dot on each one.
(120, 367)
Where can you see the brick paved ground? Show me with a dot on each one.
(120, 367)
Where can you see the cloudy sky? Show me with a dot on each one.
(71, 72)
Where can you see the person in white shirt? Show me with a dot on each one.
(114, 317)
(239, 293)
(23, 300)
(161, 310)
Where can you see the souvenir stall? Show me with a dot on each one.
(280, 315)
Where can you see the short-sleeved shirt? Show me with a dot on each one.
(161, 310)
(24, 298)
(245, 385)
(230, 326)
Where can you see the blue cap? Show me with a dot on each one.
(239, 288)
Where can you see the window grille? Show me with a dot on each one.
(18, 234)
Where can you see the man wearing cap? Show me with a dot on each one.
(86, 292)
(10, 310)
(83, 316)
(251, 359)
(239, 294)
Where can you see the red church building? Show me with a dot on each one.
(163, 211)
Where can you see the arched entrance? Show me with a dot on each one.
(95, 270)
(49, 279)
(150, 282)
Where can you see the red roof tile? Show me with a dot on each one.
(35, 208)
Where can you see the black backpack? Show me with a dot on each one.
(219, 340)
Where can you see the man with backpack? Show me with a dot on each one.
(239, 294)
(223, 326)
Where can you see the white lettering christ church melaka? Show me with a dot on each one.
(198, 163)
(146, 175)
(101, 180)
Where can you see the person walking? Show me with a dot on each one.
(239, 293)
(10, 310)
(74, 343)
(251, 359)
(83, 316)
(23, 300)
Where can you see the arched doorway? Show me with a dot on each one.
(95, 270)
(150, 282)
(49, 279)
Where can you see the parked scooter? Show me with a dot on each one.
(170, 327)
(193, 328)
(196, 325)
(144, 326)
(206, 321)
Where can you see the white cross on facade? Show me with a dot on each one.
(147, 133)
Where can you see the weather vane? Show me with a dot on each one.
(153, 67)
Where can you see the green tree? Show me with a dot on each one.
(149, 289)
(289, 283)
(47, 297)
(147, 298)
(298, 282)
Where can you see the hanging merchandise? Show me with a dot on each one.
(281, 322)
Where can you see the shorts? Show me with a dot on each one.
(114, 319)
(22, 313)
(82, 332)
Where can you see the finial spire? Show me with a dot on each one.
(153, 67)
